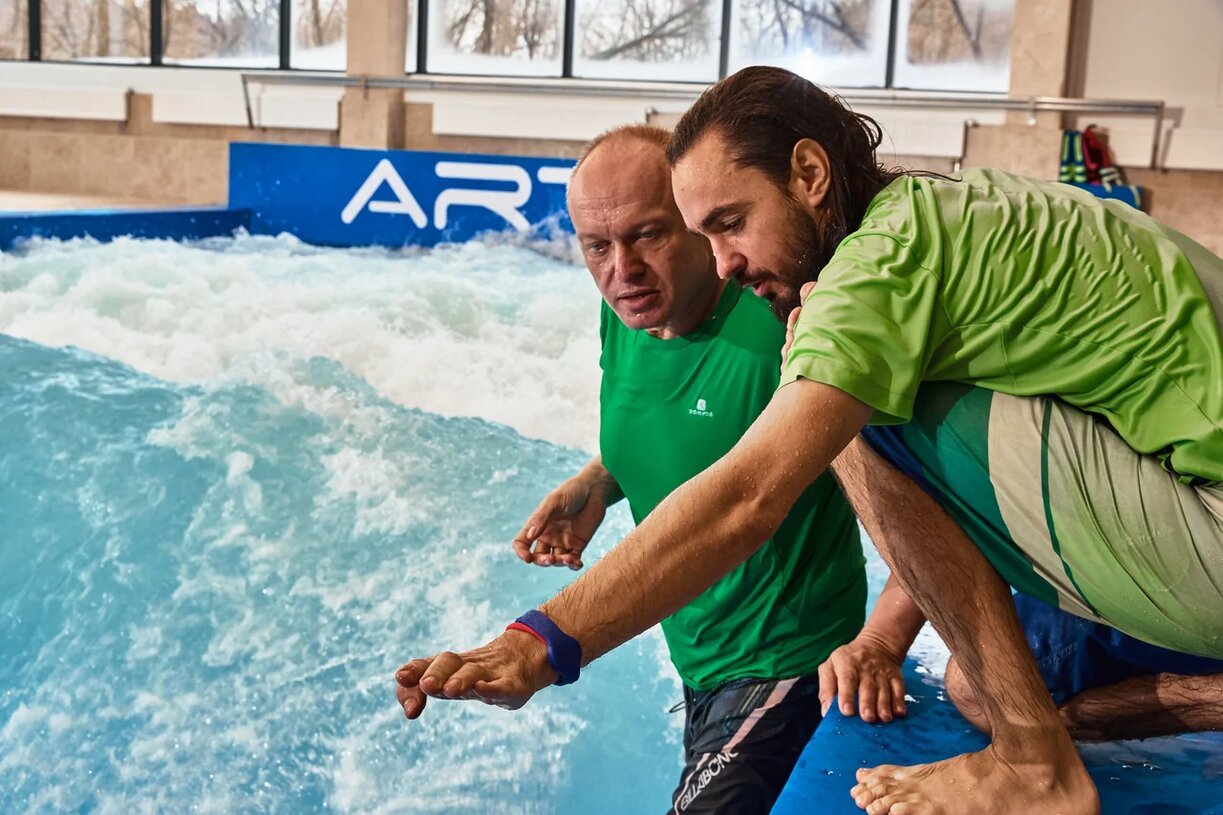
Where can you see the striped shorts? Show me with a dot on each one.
(741, 741)
(1068, 513)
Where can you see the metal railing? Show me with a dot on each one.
(911, 100)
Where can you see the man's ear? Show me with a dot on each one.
(810, 177)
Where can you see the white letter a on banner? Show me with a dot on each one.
(406, 203)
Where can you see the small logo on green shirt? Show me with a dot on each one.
(700, 410)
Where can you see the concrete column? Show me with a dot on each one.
(1040, 50)
(377, 47)
(1040, 47)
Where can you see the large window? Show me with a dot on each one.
(961, 45)
(319, 29)
(222, 32)
(14, 29)
(648, 39)
(954, 45)
(505, 37)
(99, 30)
(412, 64)
(834, 42)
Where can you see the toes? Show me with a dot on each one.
(867, 792)
(881, 772)
(910, 808)
(894, 804)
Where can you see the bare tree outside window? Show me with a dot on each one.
(648, 39)
(832, 42)
(319, 31)
(222, 32)
(504, 28)
(646, 30)
(95, 29)
(14, 29)
(958, 31)
(954, 44)
(496, 36)
(826, 26)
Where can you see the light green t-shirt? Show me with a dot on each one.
(1028, 288)
(668, 410)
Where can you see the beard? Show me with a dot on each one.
(810, 250)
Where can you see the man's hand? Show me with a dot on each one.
(868, 668)
(793, 319)
(561, 527)
(507, 673)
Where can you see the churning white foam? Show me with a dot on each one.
(492, 330)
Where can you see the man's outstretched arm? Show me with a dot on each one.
(698, 534)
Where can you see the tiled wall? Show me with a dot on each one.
(138, 158)
(419, 135)
(1186, 200)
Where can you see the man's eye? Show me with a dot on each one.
(596, 248)
(732, 225)
(648, 234)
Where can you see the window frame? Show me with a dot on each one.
(420, 11)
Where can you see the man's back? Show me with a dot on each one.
(1028, 288)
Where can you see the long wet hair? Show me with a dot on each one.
(762, 112)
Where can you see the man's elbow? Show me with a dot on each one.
(758, 510)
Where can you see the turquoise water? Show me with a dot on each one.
(229, 520)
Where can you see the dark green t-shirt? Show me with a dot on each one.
(669, 409)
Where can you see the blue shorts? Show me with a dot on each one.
(1076, 655)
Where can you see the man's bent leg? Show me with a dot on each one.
(1031, 765)
(1108, 685)
(1067, 512)
(741, 742)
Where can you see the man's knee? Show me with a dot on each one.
(962, 695)
(958, 689)
(850, 468)
(868, 479)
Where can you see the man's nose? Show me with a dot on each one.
(627, 262)
(728, 262)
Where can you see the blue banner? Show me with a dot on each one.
(104, 225)
(338, 196)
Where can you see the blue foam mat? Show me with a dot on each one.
(1165, 776)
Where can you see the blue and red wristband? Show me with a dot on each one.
(564, 652)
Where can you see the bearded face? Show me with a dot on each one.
(763, 236)
(802, 253)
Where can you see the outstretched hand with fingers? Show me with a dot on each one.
(506, 672)
(561, 527)
(867, 669)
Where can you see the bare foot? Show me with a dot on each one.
(979, 782)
